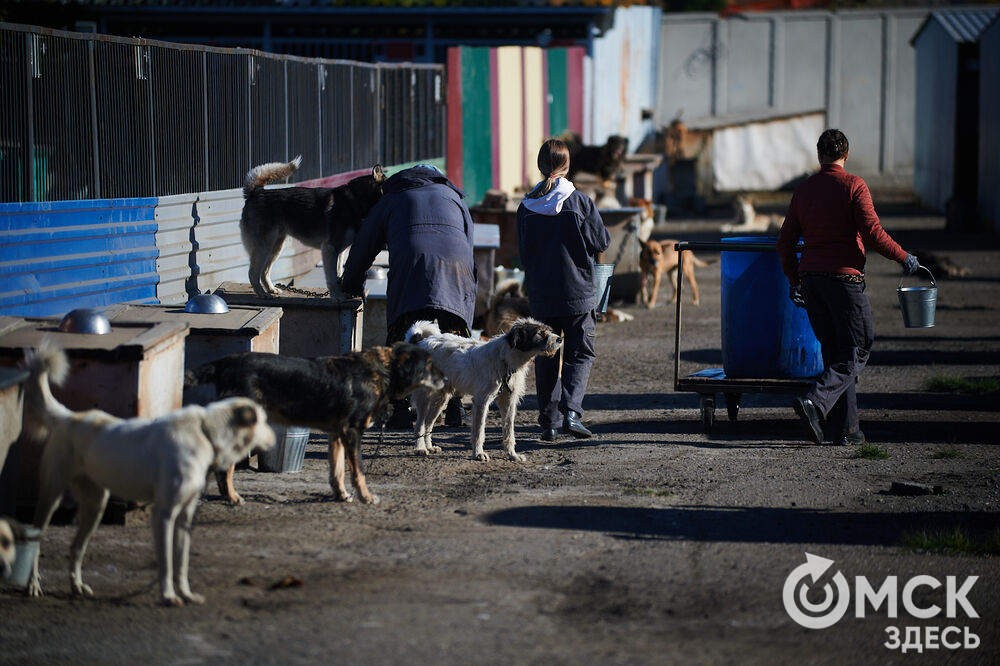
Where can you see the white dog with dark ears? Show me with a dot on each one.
(8, 551)
(162, 461)
(487, 370)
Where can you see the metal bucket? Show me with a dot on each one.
(26, 549)
(288, 452)
(918, 303)
(602, 283)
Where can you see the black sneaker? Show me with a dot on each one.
(809, 417)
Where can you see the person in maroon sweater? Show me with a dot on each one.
(833, 213)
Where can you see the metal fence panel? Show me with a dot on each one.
(269, 113)
(124, 119)
(14, 122)
(95, 116)
(178, 88)
(228, 111)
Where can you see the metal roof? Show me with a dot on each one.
(962, 25)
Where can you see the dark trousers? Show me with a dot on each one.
(561, 394)
(841, 318)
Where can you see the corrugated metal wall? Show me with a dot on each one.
(624, 77)
(858, 65)
(989, 126)
(71, 254)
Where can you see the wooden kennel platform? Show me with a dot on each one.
(210, 335)
(312, 324)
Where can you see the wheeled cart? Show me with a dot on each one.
(711, 382)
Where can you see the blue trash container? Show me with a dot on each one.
(763, 333)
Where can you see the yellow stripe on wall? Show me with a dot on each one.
(511, 120)
(534, 111)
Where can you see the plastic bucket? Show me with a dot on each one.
(25, 551)
(918, 303)
(602, 283)
(764, 334)
(288, 452)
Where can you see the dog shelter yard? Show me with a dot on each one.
(651, 543)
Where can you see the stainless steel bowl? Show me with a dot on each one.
(85, 320)
(206, 304)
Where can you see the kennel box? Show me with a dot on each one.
(312, 324)
(244, 328)
(137, 369)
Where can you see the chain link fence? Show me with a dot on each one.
(98, 117)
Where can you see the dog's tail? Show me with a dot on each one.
(46, 364)
(700, 263)
(421, 330)
(509, 288)
(259, 176)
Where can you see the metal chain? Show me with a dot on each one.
(303, 292)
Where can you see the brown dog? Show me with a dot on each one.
(659, 258)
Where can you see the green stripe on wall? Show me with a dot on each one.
(477, 146)
(558, 93)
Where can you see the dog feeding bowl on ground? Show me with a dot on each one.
(85, 320)
(206, 304)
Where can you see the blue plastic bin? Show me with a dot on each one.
(763, 333)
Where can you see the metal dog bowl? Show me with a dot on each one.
(85, 320)
(206, 304)
(377, 273)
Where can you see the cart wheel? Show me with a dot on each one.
(733, 405)
(707, 412)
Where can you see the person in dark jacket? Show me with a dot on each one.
(423, 219)
(833, 213)
(559, 233)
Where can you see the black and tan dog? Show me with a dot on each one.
(507, 304)
(340, 395)
(320, 217)
(603, 161)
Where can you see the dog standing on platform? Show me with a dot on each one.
(320, 217)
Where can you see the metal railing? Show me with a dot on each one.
(88, 116)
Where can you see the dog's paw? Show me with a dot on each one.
(517, 457)
(343, 497)
(235, 500)
(83, 590)
(483, 456)
(171, 601)
(192, 598)
(371, 499)
(35, 589)
(434, 449)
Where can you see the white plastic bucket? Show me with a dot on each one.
(602, 283)
(918, 303)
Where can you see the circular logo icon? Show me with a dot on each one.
(811, 615)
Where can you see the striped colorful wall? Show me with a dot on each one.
(508, 100)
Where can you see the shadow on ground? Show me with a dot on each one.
(747, 525)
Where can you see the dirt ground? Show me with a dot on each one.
(652, 543)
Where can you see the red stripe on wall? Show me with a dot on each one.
(574, 87)
(453, 150)
(495, 115)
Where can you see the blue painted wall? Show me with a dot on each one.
(58, 256)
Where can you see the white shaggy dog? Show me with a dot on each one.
(487, 370)
(163, 461)
(8, 551)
